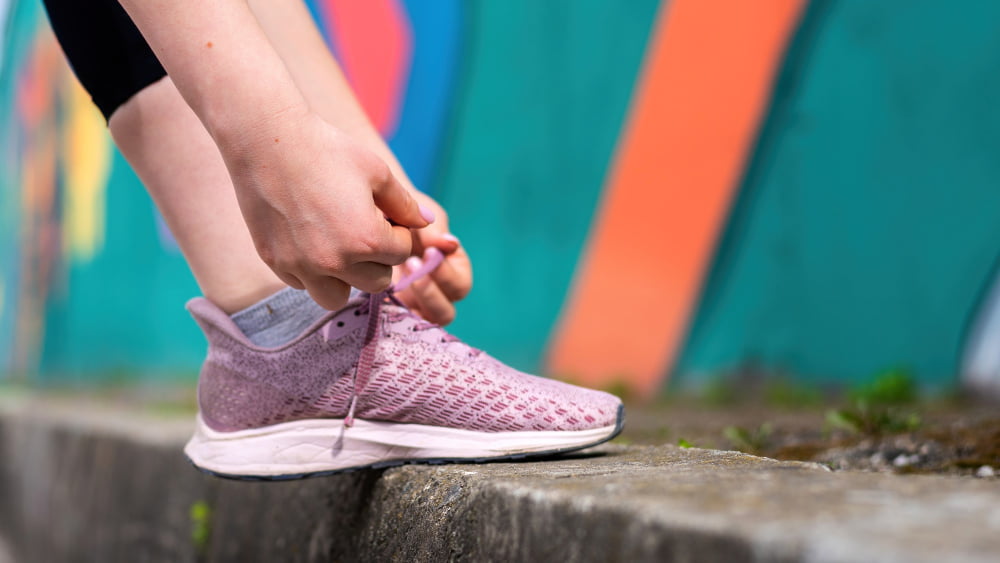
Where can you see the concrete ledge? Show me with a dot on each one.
(99, 485)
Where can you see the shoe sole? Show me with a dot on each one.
(317, 447)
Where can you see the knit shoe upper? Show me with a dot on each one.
(393, 365)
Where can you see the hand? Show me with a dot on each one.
(433, 297)
(317, 204)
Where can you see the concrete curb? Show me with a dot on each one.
(113, 486)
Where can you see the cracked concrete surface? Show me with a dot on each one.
(109, 485)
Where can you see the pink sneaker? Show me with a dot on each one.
(374, 385)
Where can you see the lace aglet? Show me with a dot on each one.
(349, 419)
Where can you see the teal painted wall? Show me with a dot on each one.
(79, 310)
(121, 313)
(538, 115)
(12, 43)
(868, 221)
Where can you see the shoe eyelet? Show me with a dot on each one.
(357, 313)
(340, 323)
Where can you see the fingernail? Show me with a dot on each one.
(450, 237)
(426, 213)
(431, 253)
(413, 263)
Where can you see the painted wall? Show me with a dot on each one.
(646, 188)
(867, 225)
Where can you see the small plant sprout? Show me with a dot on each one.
(864, 418)
(747, 441)
(201, 525)
(891, 387)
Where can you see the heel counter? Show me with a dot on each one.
(222, 390)
(230, 398)
(215, 383)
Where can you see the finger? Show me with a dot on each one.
(405, 295)
(330, 293)
(443, 241)
(434, 306)
(290, 280)
(393, 245)
(399, 206)
(410, 300)
(372, 277)
(454, 275)
(448, 243)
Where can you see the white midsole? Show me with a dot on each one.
(315, 445)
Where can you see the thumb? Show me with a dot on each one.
(399, 206)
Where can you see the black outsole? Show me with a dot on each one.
(619, 424)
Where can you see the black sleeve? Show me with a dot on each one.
(106, 51)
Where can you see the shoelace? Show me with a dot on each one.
(373, 308)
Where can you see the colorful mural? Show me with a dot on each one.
(652, 189)
(79, 243)
(679, 160)
(864, 234)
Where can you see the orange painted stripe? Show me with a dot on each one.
(698, 107)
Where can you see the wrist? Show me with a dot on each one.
(235, 130)
(242, 136)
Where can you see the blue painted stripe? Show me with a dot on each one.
(437, 38)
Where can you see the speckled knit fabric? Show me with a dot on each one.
(420, 375)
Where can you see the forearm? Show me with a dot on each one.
(341, 109)
(222, 63)
(319, 77)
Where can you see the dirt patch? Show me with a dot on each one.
(962, 447)
(954, 439)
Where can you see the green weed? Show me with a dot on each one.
(749, 441)
(201, 526)
(874, 420)
(891, 387)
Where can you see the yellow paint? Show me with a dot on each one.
(86, 149)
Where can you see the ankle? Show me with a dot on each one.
(234, 299)
(279, 318)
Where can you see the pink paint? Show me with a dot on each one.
(374, 42)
